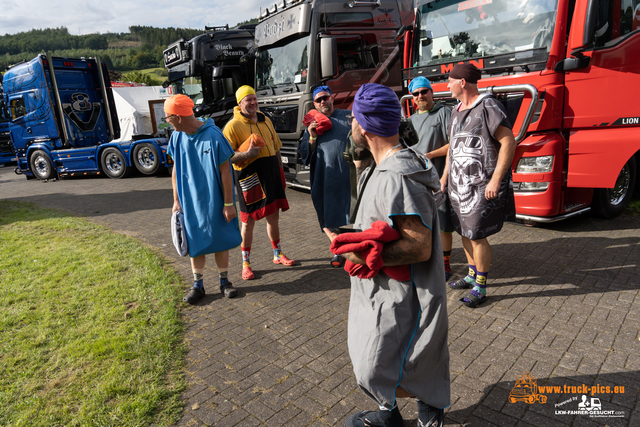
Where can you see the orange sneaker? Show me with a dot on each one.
(282, 259)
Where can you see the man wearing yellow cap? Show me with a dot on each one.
(259, 177)
(202, 191)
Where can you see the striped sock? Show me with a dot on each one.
(481, 283)
(470, 278)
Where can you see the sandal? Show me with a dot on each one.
(474, 299)
(247, 273)
(460, 284)
(194, 295)
(282, 259)
(228, 290)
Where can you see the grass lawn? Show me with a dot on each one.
(90, 327)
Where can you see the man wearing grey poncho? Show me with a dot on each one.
(397, 330)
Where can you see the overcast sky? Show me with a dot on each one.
(116, 16)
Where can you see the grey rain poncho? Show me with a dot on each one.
(397, 331)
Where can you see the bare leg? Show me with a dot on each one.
(273, 226)
(198, 262)
(447, 241)
(247, 232)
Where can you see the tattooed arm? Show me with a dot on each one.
(413, 246)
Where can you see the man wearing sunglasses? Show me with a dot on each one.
(330, 175)
(431, 122)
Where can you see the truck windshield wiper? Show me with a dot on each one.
(266, 85)
(293, 84)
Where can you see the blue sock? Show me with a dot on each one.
(199, 284)
(223, 278)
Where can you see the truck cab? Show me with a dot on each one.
(63, 119)
(560, 68)
(208, 68)
(301, 44)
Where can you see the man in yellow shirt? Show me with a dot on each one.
(260, 182)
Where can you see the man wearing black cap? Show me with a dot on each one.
(397, 332)
(481, 148)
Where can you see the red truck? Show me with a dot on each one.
(567, 72)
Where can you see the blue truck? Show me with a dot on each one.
(62, 119)
(6, 146)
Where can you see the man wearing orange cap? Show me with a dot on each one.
(202, 191)
(259, 177)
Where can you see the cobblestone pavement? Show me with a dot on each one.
(563, 305)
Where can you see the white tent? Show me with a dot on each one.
(132, 104)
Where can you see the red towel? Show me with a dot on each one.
(324, 122)
(370, 243)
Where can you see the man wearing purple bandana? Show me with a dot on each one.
(330, 176)
(397, 330)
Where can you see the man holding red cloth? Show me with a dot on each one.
(397, 329)
(321, 147)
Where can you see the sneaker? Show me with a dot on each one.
(381, 418)
(428, 416)
(228, 290)
(194, 295)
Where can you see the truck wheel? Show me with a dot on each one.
(610, 202)
(113, 163)
(146, 159)
(40, 165)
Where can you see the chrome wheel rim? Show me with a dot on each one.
(146, 159)
(619, 192)
(41, 165)
(113, 163)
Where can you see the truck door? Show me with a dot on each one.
(31, 109)
(600, 110)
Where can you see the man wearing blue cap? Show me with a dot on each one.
(397, 330)
(330, 175)
(431, 123)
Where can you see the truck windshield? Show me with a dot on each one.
(284, 64)
(190, 86)
(454, 30)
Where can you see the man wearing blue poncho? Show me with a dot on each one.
(330, 176)
(203, 192)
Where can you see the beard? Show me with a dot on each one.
(422, 105)
(359, 140)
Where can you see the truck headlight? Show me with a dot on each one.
(530, 186)
(535, 164)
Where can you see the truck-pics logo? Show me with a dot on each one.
(526, 390)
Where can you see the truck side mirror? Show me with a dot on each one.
(328, 57)
(244, 59)
(218, 92)
(590, 22)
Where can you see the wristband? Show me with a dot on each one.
(312, 138)
(228, 204)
